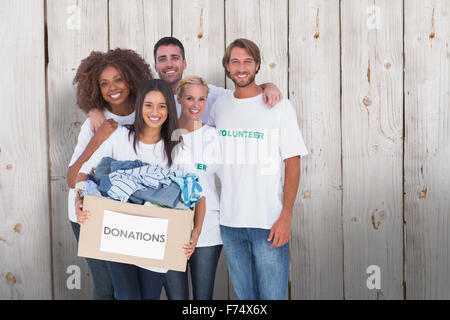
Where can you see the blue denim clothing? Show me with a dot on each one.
(103, 169)
(89, 188)
(120, 187)
(167, 196)
(191, 190)
(134, 283)
(152, 176)
(203, 265)
(125, 182)
(125, 165)
(108, 165)
(103, 287)
(258, 272)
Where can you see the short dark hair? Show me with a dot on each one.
(165, 42)
(246, 44)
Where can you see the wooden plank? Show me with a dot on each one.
(372, 125)
(71, 25)
(314, 89)
(427, 135)
(199, 25)
(138, 25)
(265, 23)
(25, 257)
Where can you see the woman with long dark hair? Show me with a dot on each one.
(108, 83)
(149, 139)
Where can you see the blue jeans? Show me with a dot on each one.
(103, 287)
(134, 283)
(203, 265)
(258, 272)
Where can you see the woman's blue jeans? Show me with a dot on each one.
(258, 272)
(203, 265)
(103, 287)
(134, 283)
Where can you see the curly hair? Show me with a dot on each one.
(131, 65)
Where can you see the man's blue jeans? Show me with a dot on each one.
(203, 265)
(258, 272)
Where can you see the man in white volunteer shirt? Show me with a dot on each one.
(255, 204)
(170, 63)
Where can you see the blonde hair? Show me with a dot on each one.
(195, 80)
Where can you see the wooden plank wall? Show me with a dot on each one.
(70, 25)
(314, 89)
(370, 83)
(372, 145)
(25, 242)
(427, 152)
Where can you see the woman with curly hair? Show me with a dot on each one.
(107, 82)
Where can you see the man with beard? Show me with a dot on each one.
(170, 63)
(255, 205)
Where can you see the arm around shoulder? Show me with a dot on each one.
(105, 131)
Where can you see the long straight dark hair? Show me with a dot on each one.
(171, 123)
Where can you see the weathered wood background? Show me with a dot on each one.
(369, 80)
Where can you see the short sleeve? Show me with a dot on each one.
(291, 138)
(212, 116)
(216, 92)
(105, 150)
(84, 137)
(212, 153)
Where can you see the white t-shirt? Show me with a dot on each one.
(84, 137)
(255, 140)
(200, 154)
(119, 146)
(214, 93)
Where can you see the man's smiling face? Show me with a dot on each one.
(242, 67)
(170, 64)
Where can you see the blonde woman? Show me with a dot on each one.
(201, 154)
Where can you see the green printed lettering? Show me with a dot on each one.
(200, 166)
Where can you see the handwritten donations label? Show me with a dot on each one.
(126, 234)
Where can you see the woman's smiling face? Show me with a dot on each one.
(193, 101)
(113, 87)
(154, 109)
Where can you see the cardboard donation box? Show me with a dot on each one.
(135, 234)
